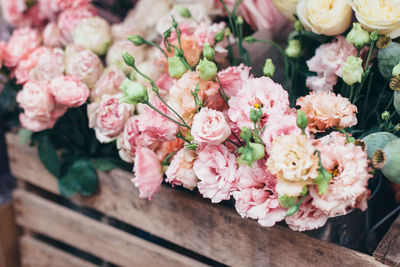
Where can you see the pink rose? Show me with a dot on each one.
(70, 18)
(232, 78)
(215, 167)
(13, 12)
(114, 55)
(69, 91)
(83, 64)
(180, 171)
(261, 92)
(36, 125)
(21, 44)
(120, 31)
(210, 127)
(328, 62)
(165, 82)
(51, 35)
(108, 117)
(108, 83)
(147, 171)
(3, 47)
(307, 218)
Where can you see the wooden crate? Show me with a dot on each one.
(184, 230)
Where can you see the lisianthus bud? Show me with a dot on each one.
(251, 153)
(293, 50)
(133, 92)
(269, 68)
(396, 70)
(136, 39)
(352, 70)
(183, 11)
(129, 59)
(220, 36)
(298, 26)
(208, 51)
(207, 69)
(239, 20)
(176, 68)
(358, 36)
(249, 39)
(167, 33)
(385, 115)
(374, 36)
(301, 120)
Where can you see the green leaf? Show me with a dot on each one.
(286, 201)
(24, 136)
(322, 181)
(48, 156)
(78, 136)
(68, 185)
(106, 164)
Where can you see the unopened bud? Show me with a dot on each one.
(176, 68)
(220, 36)
(136, 39)
(269, 68)
(298, 26)
(385, 116)
(129, 59)
(239, 20)
(352, 70)
(183, 11)
(167, 34)
(374, 36)
(358, 36)
(208, 51)
(207, 69)
(293, 50)
(301, 120)
(133, 92)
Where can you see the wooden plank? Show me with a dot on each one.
(35, 253)
(191, 222)
(8, 237)
(104, 241)
(388, 250)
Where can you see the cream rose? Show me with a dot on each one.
(287, 8)
(381, 15)
(328, 17)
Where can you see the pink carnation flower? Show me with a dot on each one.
(348, 188)
(307, 218)
(51, 35)
(108, 83)
(261, 92)
(69, 91)
(327, 110)
(232, 78)
(180, 171)
(108, 117)
(13, 12)
(215, 168)
(328, 62)
(165, 82)
(147, 171)
(210, 127)
(21, 44)
(36, 125)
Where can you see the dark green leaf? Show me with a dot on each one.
(68, 185)
(8, 96)
(24, 136)
(48, 156)
(106, 164)
(77, 136)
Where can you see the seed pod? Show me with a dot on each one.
(387, 59)
(388, 161)
(376, 141)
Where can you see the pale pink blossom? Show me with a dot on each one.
(180, 171)
(83, 64)
(328, 62)
(108, 117)
(21, 44)
(307, 218)
(114, 54)
(262, 92)
(69, 91)
(205, 33)
(51, 35)
(3, 47)
(327, 110)
(36, 125)
(147, 171)
(108, 83)
(13, 12)
(165, 149)
(120, 31)
(232, 78)
(165, 82)
(210, 127)
(215, 167)
(348, 187)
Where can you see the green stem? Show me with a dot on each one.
(222, 91)
(351, 93)
(166, 116)
(157, 46)
(230, 141)
(371, 49)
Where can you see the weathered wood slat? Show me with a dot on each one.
(35, 253)
(211, 230)
(8, 237)
(388, 250)
(106, 242)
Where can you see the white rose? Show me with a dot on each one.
(287, 8)
(328, 17)
(114, 55)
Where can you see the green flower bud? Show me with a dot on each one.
(249, 39)
(129, 59)
(183, 11)
(245, 134)
(352, 70)
(258, 151)
(208, 51)
(298, 26)
(374, 36)
(220, 36)
(176, 68)
(133, 92)
(239, 20)
(269, 68)
(301, 120)
(385, 115)
(207, 69)
(167, 33)
(396, 70)
(251, 153)
(255, 115)
(358, 36)
(136, 39)
(174, 23)
(293, 50)
(286, 201)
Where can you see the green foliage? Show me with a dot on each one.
(48, 156)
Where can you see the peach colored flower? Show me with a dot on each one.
(293, 161)
(307, 218)
(51, 35)
(108, 117)
(164, 149)
(180, 171)
(108, 83)
(261, 92)
(232, 78)
(147, 171)
(69, 91)
(83, 64)
(348, 188)
(327, 110)
(22, 43)
(215, 167)
(210, 127)
(328, 62)
(114, 55)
